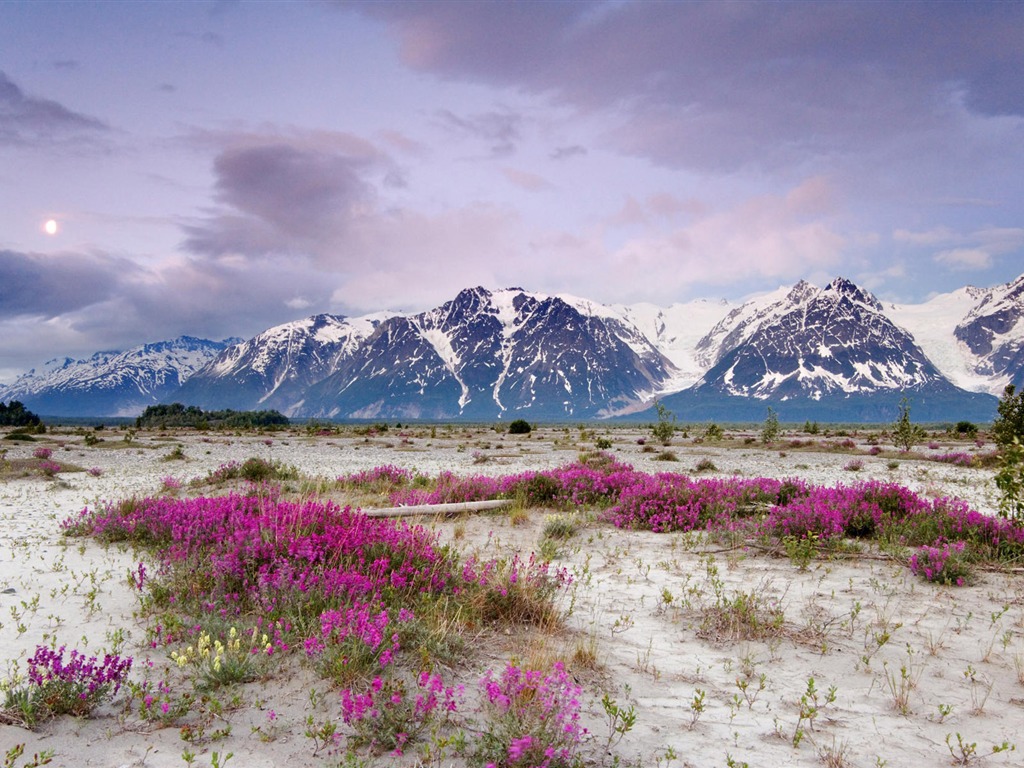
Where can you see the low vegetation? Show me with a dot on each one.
(254, 573)
(178, 415)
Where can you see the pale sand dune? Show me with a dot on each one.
(865, 626)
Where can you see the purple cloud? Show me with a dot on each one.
(37, 285)
(279, 197)
(717, 86)
(25, 119)
(498, 129)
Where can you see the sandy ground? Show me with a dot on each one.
(920, 672)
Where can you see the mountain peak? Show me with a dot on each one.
(845, 287)
(496, 354)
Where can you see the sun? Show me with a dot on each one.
(50, 227)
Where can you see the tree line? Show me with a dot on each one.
(179, 415)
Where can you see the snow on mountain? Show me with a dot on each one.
(818, 342)
(675, 332)
(933, 325)
(975, 336)
(113, 383)
(273, 369)
(484, 354)
(743, 321)
(993, 331)
(497, 354)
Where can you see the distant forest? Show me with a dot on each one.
(14, 414)
(178, 415)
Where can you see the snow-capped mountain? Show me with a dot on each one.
(274, 369)
(833, 353)
(676, 331)
(113, 383)
(819, 342)
(834, 346)
(993, 332)
(975, 336)
(737, 326)
(493, 355)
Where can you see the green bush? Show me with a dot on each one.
(1010, 481)
(966, 428)
(665, 428)
(770, 430)
(1010, 422)
(520, 427)
(904, 433)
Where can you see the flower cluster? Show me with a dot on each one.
(75, 686)
(49, 468)
(760, 506)
(387, 716)
(42, 453)
(171, 483)
(943, 564)
(344, 586)
(533, 719)
(956, 458)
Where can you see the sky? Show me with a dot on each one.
(217, 168)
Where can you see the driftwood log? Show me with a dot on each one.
(438, 509)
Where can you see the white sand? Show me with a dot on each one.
(865, 626)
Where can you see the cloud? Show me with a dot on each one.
(974, 250)
(281, 198)
(564, 153)
(935, 236)
(314, 223)
(965, 258)
(38, 285)
(531, 182)
(776, 238)
(26, 119)
(500, 130)
(723, 86)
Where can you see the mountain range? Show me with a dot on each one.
(833, 354)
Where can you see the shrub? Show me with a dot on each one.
(966, 429)
(944, 564)
(713, 432)
(58, 687)
(664, 429)
(1010, 421)
(49, 468)
(519, 427)
(559, 527)
(387, 716)
(1010, 481)
(532, 719)
(770, 430)
(253, 469)
(905, 434)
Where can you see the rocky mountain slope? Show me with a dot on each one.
(832, 353)
(113, 383)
